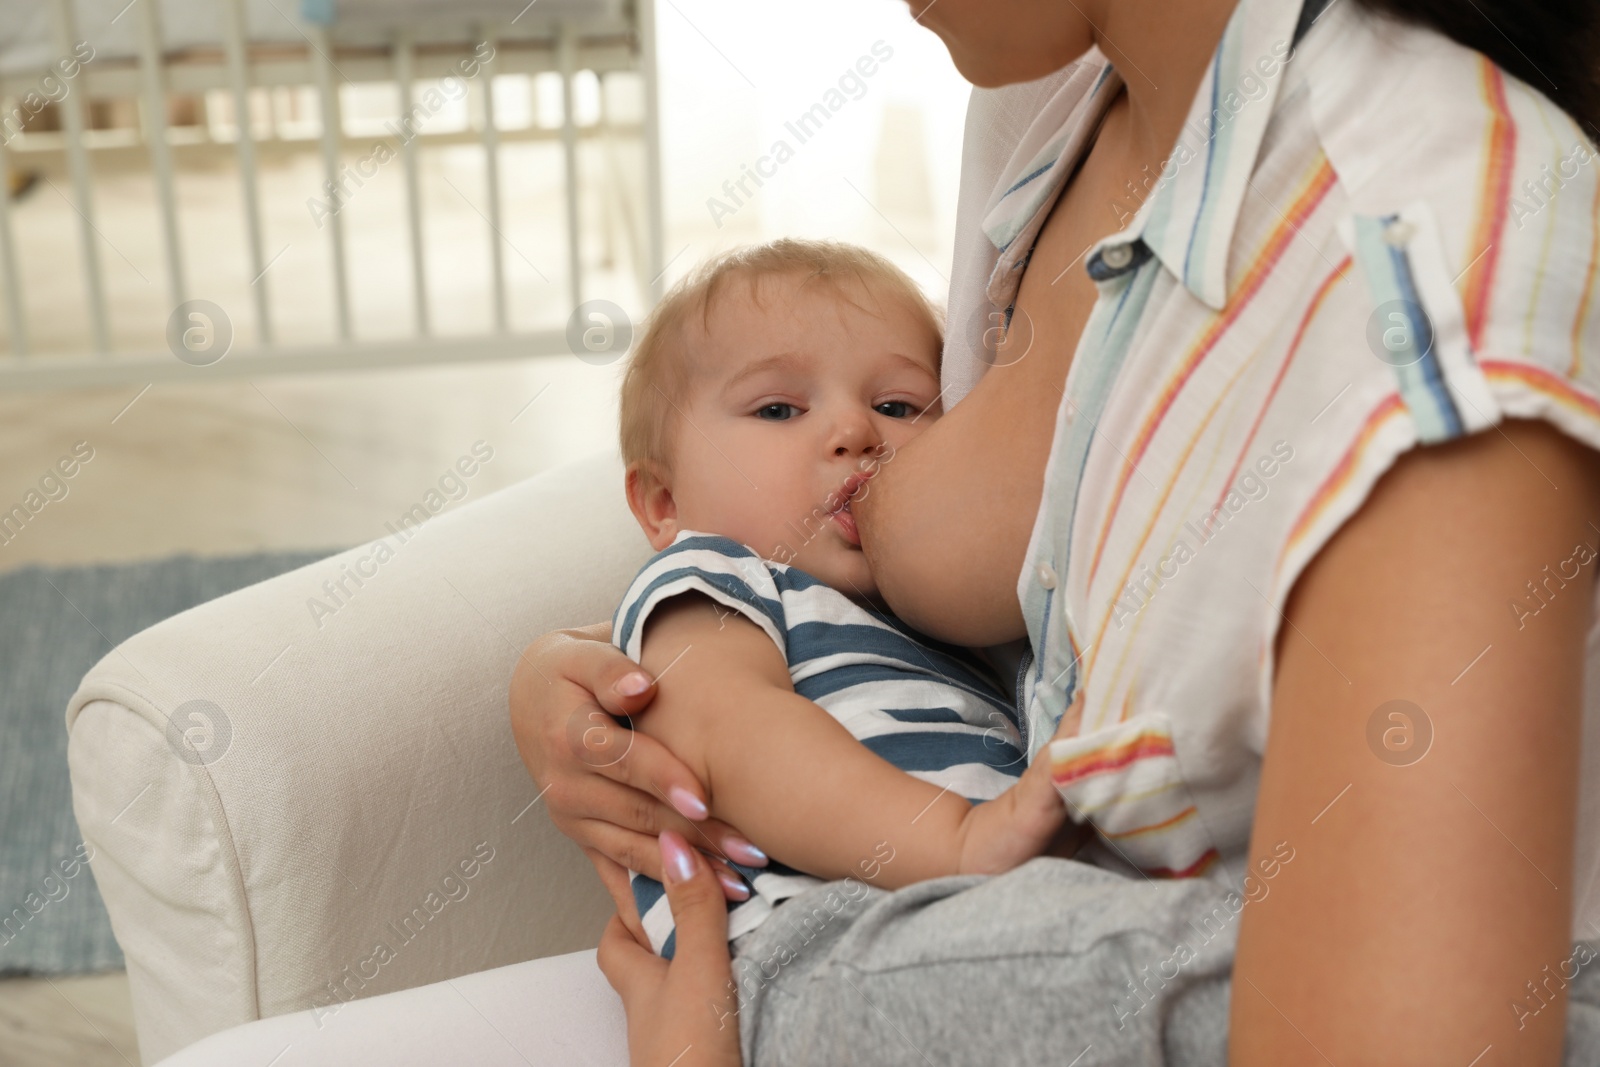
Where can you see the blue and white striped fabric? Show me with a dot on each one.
(931, 709)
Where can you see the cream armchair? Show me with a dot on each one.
(290, 808)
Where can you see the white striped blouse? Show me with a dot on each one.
(1368, 239)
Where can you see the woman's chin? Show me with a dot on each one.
(987, 71)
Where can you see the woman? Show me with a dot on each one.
(1291, 299)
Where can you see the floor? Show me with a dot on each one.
(311, 461)
(86, 1021)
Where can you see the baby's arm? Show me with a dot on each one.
(797, 783)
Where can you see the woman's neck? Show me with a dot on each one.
(1161, 48)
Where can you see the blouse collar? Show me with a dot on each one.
(1185, 214)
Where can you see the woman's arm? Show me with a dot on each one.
(1425, 896)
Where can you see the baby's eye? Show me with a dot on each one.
(777, 412)
(895, 409)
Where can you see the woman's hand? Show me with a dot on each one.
(684, 1011)
(609, 788)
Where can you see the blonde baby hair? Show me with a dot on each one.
(654, 384)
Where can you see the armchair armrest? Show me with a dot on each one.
(291, 806)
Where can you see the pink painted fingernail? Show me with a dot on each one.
(688, 805)
(632, 684)
(733, 885)
(744, 852)
(677, 862)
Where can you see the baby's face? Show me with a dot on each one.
(794, 404)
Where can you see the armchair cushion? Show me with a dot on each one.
(293, 805)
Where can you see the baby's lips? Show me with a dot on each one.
(852, 489)
(853, 483)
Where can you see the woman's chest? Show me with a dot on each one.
(1054, 301)
(1055, 296)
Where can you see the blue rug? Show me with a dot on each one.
(56, 623)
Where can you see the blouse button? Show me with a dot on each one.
(1046, 575)
(1117, 256)
(1399, 233)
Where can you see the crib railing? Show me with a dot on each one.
(236, 69)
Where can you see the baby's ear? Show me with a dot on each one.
(650, 499)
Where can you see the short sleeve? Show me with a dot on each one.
(1480, 281)
(1484, 216)
(1474, 246)
(729, 573)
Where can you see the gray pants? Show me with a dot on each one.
(1054, 960)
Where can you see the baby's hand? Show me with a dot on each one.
(1025, 821)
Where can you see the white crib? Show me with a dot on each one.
(151, 48)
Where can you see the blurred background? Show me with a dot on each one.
(127, 197)
(229, 466)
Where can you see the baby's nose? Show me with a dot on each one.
(867, 445)
(855, 436)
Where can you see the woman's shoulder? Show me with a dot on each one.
(1396, 102)
(1470, 209)
(1416, 125)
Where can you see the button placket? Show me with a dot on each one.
(1056, 658)
(1112, 268)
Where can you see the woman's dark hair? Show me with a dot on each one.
(1553, 45)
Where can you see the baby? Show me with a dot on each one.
(765, 393)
